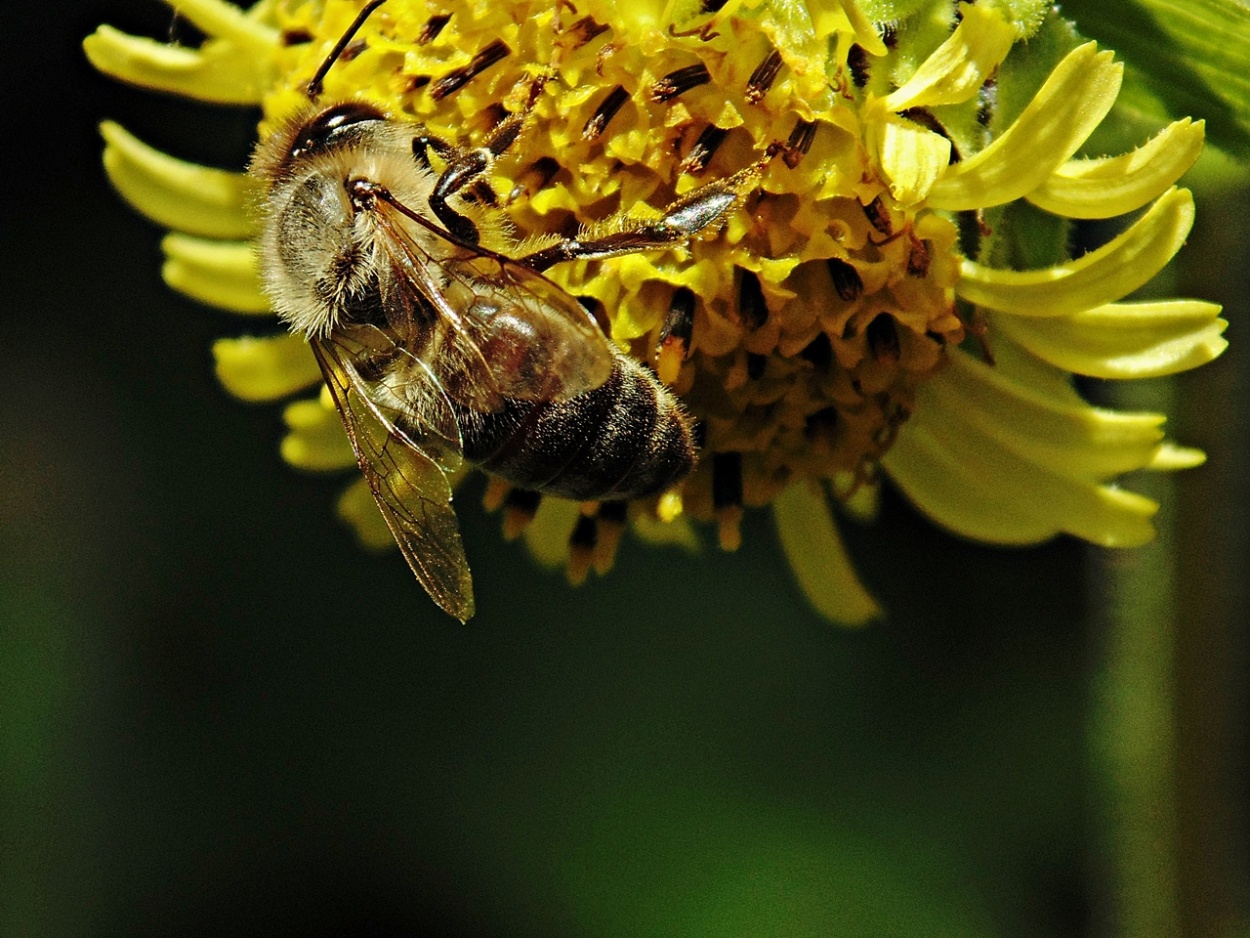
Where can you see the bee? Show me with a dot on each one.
(439, 351)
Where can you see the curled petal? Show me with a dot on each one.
(174, 193)
(217, 72)
(911, 157)
(965, 479)
(1064, 112)
(1095, 279)
(1067, 436)
(1124, 340)
(220, 273)
(316, 440)
(818, 557)
(1114, 185)
(265, 369)
(961, 65)
(227, 21)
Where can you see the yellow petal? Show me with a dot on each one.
(217, 72)
(968, 480)
(1067, 437)
(547, 535)
(1114, 185)
(358, 509)
(961, 65)
(227, 21)
(265, 369)
(220, 273)
(818, 557)
(911, 158)
(656, 532)
(1095, 279)
(1070, 104)
(174, 193)
(317, 440)
(1171, 458)
(1124, 340)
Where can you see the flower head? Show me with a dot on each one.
(863, 311)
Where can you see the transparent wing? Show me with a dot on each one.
(411, 491)
(505, 331)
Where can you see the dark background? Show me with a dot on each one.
(219, 716)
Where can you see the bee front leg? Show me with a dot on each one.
(465, 173)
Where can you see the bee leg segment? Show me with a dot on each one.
(704, 208)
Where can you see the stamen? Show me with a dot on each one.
(433, 26)
(918, 258)
(458, 78)
(675, 335)
(518, 511)
(879, 216)
(586, 29)
(703, 150)
(846, 280)
(752, 307)
(534, 179)
(496, 491)
(857, 61)
(756, 365)
(582, 549)
(678, 82)
(607, 109)
(611, 526)
(763, 77)
(727, 498)
(883, 340)
(799, 143)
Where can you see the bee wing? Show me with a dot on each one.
(411, 490)
(511, 332)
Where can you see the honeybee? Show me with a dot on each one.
(439, 351)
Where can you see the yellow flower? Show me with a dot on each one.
(844, 323)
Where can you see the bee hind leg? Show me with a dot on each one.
(707, 208)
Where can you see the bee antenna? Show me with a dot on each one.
(314, 85)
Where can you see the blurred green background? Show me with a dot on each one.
(219, 716)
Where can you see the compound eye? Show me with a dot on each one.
(324, 130)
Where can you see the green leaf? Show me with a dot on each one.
(1194, 57)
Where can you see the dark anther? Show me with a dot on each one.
(586, 29)
(535, 178)
(604, 113)
(987, 102)
(704, 149)
(613, 512)
(819, 352)
(882, 334)
(458, 78)
(752, 307)
(433, 26)
(585, 532)
(763, 77)
(925, 119)
(800, 142)
(679, 81)
(918, 258)
(523, 500)
(296, 37)
(726, 480)
(879, 216)
(756, 365)
(711, 6)
(679, 323)
(823, 423)
(857, 61)
(846, 279)
(969, 233)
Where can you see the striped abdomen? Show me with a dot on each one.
(625, 439)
